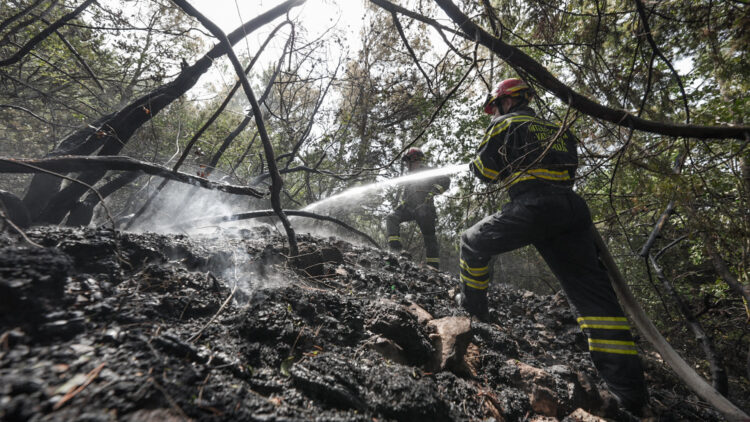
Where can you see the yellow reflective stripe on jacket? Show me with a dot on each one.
(394, 238)
(473, 270)
(544, 174)
(604, 323)
(475, 284)
(613, 346)
(497, 128)
(486, 172)
(501, 126)
(432, 259)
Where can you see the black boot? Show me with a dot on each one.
(474, 302)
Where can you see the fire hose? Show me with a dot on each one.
(649, 331)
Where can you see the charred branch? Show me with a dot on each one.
(83, 211)
(277, 182)
(75, 164)
(271, 213)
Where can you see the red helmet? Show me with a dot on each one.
(512, 87)
(413, 154)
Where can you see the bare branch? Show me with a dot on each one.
(276, 180)
(80, 59)
(401, 33)
(106, 163)
(647, 32)
(44, 34)
(42, 119)
(271, 213)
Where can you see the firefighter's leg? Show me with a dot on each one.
(426, 222)
(574, 260)
(515, 226)
(392, 230)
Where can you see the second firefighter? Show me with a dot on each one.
(417, 204)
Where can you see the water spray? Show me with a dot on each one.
(411, 177)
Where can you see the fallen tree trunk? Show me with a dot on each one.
(83, 211)
(648, 330)
(271, 213)
(74, 164)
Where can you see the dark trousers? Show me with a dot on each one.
(558, 223)
(425, 217)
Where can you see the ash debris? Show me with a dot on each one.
(98, 326)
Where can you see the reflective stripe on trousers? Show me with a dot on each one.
(559, 226)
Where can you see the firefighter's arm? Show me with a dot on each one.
(439, 185)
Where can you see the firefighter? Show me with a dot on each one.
(417, 204)
(537, 161)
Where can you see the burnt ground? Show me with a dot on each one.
(146, 327)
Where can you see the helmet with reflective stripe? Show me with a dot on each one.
(512, 87)
(413, 154)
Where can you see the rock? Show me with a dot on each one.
(517, 310)
(416, 310)
(387, 348)
(543, 401)
(531, 375)
(394, 321)
(451, 338)
(580, 415)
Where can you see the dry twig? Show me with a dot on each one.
(72, 393)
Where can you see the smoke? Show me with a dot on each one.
(180, 203)
(238, 266)
(250, 273)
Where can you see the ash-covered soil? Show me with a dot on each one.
(143, 327)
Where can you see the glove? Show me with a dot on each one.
(474, 302)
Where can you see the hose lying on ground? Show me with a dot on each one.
(648, 330)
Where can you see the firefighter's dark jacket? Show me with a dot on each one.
(516, 150)
(420, 192)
